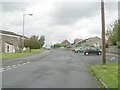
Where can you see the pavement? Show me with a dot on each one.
(52, 69)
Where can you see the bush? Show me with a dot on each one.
(106, 45)
(60, 45)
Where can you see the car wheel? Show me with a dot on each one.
(99, 53)
(86, 53)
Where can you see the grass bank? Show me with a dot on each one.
(6, 56)
(108, 73)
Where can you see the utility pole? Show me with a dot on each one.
(103, 33)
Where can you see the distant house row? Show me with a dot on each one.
(10, 42)
(91, 42)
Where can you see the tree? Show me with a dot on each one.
(34, 42)
(42, 41)
(112, 32)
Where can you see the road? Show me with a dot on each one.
(55, 69)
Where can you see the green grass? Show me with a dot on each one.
(108, 73)
(6, 56)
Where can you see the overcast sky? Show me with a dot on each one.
(57, 19)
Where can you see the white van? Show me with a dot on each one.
(47, 47)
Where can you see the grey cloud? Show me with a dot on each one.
(111, 6)
(69, 12)
(14, 6)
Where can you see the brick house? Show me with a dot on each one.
(10, 42)
(66, 43)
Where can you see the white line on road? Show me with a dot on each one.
(2, 70)
(28, 62)
(8, 68)
(23, 63)
(112, 58)
(13, 66)
(19, 64)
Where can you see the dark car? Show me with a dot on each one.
(80, 50)
(92, 51)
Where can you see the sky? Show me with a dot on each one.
(57, 20)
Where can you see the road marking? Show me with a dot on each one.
(23, 63)
(112, 58)
(2, 70)
(28, 62)
(8, 68)
(13, 66)
(19, 65)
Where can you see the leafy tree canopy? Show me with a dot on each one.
(34, 42)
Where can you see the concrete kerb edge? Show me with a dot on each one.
(100, 81)
(112, 54)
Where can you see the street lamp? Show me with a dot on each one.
(23, 30)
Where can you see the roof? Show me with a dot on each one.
(93, 37)
(77, 40)
(88, 39)
(65, 41)
(9, 43)
(10, 33)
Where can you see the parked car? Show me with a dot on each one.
(47, 47)
(75, 49)
(80, 50)
(92, 51)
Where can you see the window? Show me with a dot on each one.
(7, 48)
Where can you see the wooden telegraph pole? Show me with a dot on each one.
(103, 33)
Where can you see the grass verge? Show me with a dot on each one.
(108, 73)
(6, 56)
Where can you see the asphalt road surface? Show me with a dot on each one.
(54, 69)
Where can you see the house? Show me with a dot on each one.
(66, 43)
(77, 40)
(109, 42)
(91, 42)
(10, 42)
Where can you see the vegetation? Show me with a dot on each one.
(108, 73)
(60, 45)
(42, 41)
(34, 42)
(113, 31)
(17, 55)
